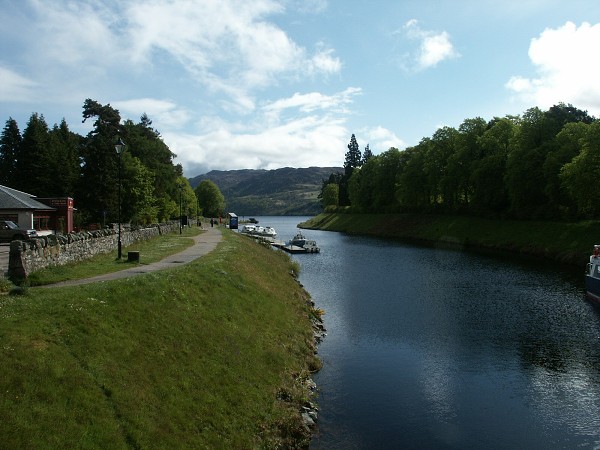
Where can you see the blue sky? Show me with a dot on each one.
(247, 84)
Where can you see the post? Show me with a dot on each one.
(119, 148)
(180, 210)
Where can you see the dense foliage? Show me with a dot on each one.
(541, 165)
(57, 163)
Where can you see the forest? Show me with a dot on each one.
(539, 165)
(56, 162)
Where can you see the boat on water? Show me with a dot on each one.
(269, 232)
(592, 276)
(248, 229)
(255, 230)
(299, 240)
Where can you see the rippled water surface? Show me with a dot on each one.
(441, 348)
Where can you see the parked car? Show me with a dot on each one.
(9, 231)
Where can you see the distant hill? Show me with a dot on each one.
(279, 192)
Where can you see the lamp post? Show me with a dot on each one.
(180, 208)
(119, 146)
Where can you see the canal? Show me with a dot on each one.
(443, 348)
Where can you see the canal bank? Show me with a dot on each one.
(217, 353)
(429, 346)
(563, 242)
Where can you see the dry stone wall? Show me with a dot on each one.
(56, 250)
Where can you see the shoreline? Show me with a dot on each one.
(568, 243)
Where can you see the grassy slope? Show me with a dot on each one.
(564, 242)
(193, 357)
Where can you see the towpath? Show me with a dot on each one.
(204, 243)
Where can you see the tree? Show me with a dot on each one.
(367, 154)
(352, 161)
(353, 157)
(330, 196)
(63, 167)
(210, 198)
(488, 173)
(33, 158)
(580, 175)
(10, 141)
(138, 204)
(97, 192)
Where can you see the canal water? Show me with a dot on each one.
(447, 349)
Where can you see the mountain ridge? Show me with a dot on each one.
(286, 191)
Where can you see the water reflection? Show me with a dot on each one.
(436, 348)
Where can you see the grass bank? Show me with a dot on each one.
(213, 354)
(569, 243)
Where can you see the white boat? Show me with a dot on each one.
(248, 229)
(269, 232)
(256, 230)
(311, 247)
(592, 276)
(299, 240)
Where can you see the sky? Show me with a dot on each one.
(265, 84)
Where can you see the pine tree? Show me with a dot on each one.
(10, 141)
(366, 155)
(32, 159)
(353, 157)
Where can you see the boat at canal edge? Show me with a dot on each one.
(592, 277)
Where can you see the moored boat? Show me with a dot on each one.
(592, 276)
(248, 229)
(298, 240)
(256, 230)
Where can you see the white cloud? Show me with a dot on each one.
(229, 41)
(381, 139)
(567, 67)
(434, 47)
(165, 112)
(313, 101)
(314, 133)
(15, 88)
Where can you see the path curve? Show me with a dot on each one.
(204, 243)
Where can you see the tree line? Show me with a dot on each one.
(56, 162)
(539, 165)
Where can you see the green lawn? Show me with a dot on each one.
(211, 355)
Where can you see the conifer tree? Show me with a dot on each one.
(10, 141)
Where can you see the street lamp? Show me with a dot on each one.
(119, 146)
(180, 210)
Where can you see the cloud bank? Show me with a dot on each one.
(567, 68)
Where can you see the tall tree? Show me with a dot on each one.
(352, 161)
(33, 158)
(580, 175)
(353, 157)
(367, 154)
(64, 160)
(97, 192)
(210, 198)
(10, 142)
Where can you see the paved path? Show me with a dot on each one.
(204, 243)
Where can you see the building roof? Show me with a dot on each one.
(13, 199)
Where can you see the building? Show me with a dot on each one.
(42, 214)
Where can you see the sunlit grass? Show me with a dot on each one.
(559, 241)
(206, 355)
(151, 250)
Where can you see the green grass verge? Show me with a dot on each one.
(212, 354)
(569, 243)
(151, 250)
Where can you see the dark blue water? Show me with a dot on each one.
(441, 348)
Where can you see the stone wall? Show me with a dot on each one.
(26, 257)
